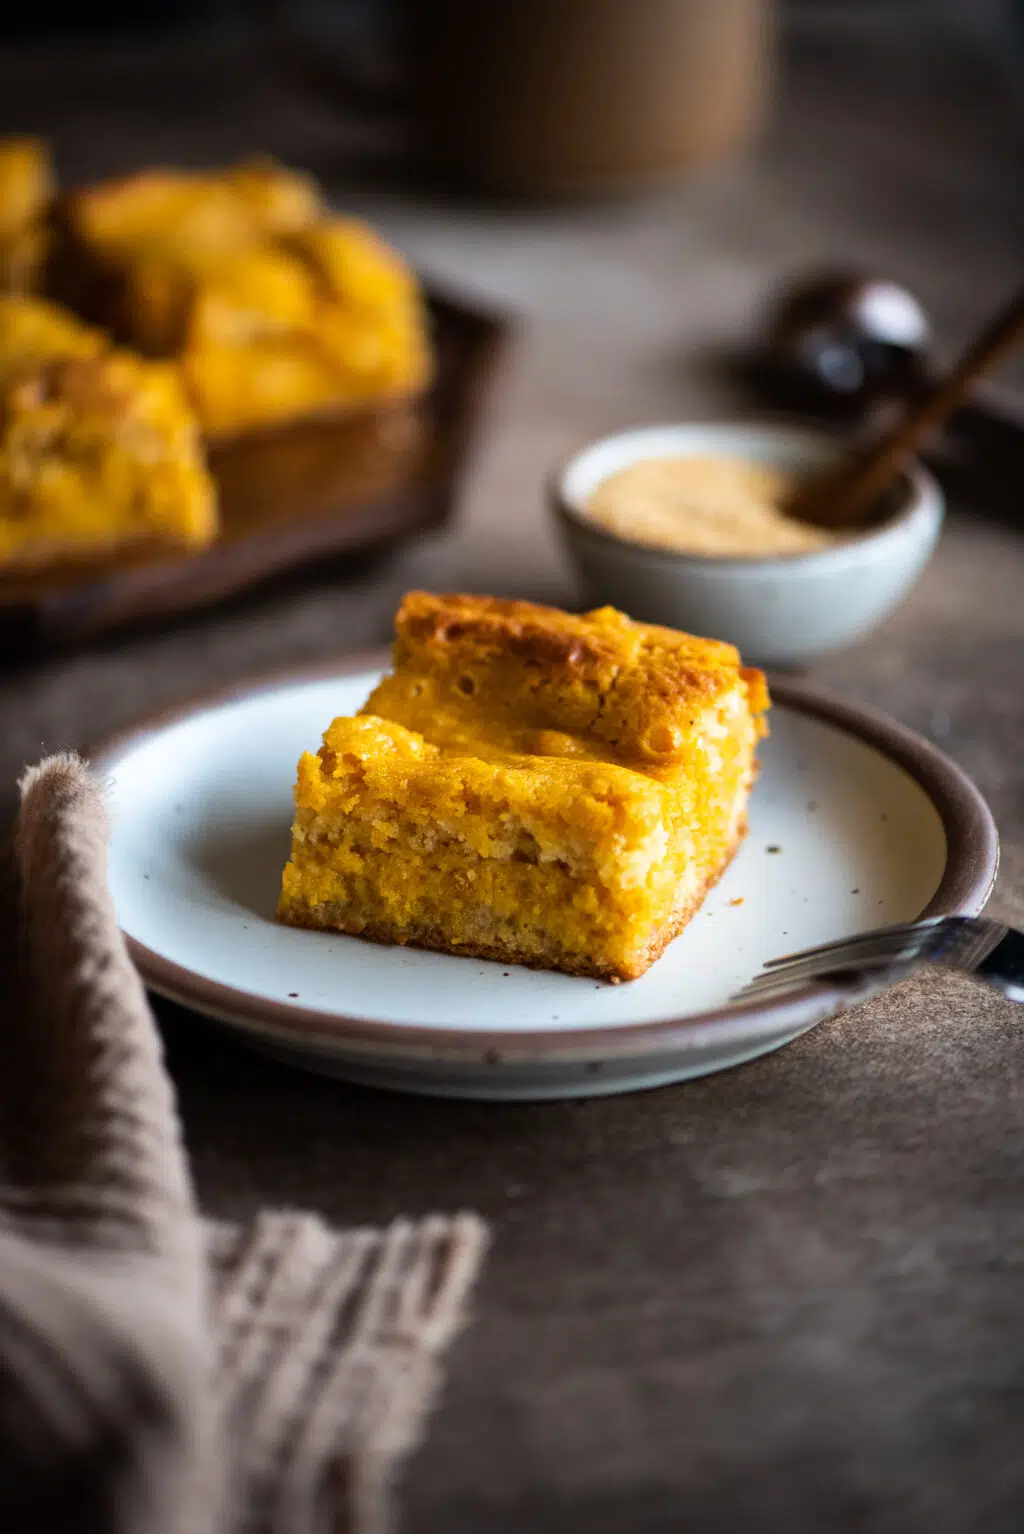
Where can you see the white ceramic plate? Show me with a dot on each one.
(854, 823)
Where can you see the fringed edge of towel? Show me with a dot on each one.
(329, 1349)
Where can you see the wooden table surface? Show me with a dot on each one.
(788, 1296)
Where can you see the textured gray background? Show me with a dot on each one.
(788, 1296)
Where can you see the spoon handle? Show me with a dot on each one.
(838, 498)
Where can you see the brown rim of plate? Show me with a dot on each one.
(972, 862)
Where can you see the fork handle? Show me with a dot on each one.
(1004, 966)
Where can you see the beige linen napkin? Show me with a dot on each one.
(160, 1374)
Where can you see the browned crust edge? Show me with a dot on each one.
(565, 644)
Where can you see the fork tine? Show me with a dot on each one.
(870, 950)
(867, 954)
(791, 977)
(895, 932)
(764, 990)
(872, 960)
(950, 940)
(856, 983)
(782, 982)
(795, 974)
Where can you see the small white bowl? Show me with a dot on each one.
(779, 611)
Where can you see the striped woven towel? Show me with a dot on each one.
(161, 1374)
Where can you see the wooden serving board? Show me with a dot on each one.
(289, 497)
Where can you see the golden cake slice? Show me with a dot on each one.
(34, 333)
(99, 450)
(26, 191)
(528, 786)
(272, 308)
(137, 253)
(206, 213)
(331, 317)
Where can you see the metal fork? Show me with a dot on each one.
(861, 966)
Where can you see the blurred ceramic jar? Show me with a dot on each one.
(548, 98)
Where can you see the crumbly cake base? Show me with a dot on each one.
(334, 916)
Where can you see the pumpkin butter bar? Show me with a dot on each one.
(529, 786)
(272, 307)
(26, 193)
(99, 450)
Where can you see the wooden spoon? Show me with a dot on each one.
(842, 495)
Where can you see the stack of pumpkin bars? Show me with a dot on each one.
(144, 317)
